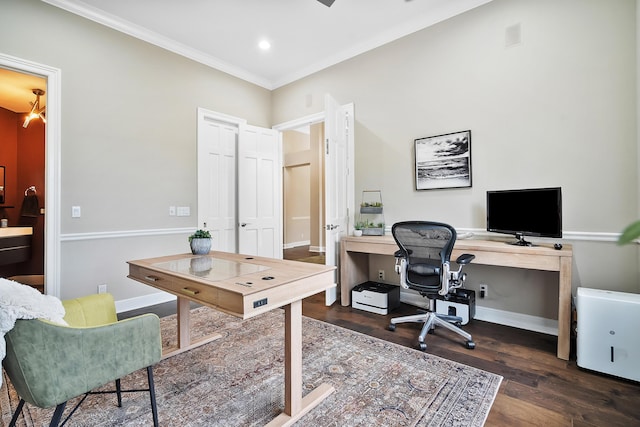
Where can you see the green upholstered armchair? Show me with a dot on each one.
(48, 363)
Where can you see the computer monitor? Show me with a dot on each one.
(528, 212)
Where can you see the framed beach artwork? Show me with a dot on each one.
(443, 161)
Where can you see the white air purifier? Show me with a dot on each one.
(608, 337)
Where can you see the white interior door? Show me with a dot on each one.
(259, 190)
(339, 184)
(217, 141)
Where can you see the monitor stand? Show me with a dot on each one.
(520, 241)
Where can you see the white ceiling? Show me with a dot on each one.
(306, 36)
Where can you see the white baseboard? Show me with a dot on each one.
(518, 320)
(143, 301)
(296, 244)
(500, 317)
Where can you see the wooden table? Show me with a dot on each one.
(244, 286)
(354, 261)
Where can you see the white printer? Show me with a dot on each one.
(378, 298)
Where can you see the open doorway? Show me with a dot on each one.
(51, 178)
(22, 153)
(304, 193)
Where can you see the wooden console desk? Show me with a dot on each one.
(245, 286)
(354, 259)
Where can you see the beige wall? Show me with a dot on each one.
(128, 148)
(559, 109)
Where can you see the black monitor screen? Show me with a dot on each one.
(531, 212)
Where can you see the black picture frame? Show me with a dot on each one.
(443, 161)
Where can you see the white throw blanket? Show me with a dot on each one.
(18, 301)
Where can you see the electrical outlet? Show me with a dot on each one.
(484, 291)
(380, 274)
(102, 289)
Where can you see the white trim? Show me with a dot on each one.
(420, 22)
(296, 244)
(280, 128)
(301, 122)
(500, 317)
(205, 114)
(141, 33)
(52, 164)
(573, 235)
(589, 236)
(517, 320)
(74, 237)
(144, 301)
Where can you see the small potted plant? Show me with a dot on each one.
(200, 242)
(358, 229)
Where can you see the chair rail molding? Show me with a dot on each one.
(99, 235)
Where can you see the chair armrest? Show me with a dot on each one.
(48, 364)
(465, 259)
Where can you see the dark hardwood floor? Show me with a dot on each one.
(538, 389)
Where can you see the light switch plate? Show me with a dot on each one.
(184, 211)
(76, 212)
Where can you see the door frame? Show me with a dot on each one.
(292, 125)
(202, 115)
(52, 165)
(243, 128)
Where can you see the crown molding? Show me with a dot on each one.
(99, 16)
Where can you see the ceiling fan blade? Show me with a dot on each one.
(327, 3)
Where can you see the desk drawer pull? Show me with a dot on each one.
(190, 291)
(151, 278)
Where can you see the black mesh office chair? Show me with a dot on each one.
(423, 262)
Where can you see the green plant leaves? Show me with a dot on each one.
(630, 233)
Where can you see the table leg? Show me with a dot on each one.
(293, 358)
(184, 322)
(354, 270)
(295, 406)
(183, 319)
(564, 308)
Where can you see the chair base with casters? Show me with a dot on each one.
(431, 320)
(50, 364)
(424, 265)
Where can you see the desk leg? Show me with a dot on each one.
(183, 319)
(184, 322)
(295, 406)
(353, 271)
(564, 308)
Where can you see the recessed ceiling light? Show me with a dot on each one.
(264, 45)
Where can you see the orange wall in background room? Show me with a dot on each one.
(22, 153)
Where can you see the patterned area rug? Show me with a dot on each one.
(238, 381)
